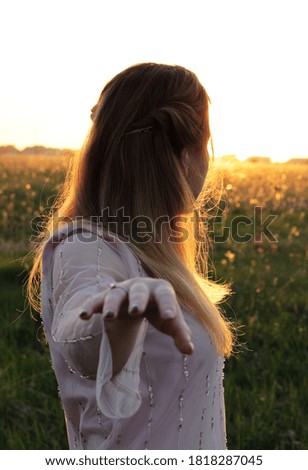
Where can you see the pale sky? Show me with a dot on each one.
(251, 56)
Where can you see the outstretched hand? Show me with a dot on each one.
(134, 298)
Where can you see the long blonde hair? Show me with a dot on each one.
(141, 174)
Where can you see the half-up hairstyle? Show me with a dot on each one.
(131, 160)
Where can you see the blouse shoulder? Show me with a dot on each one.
(84, 244)
(79, 251)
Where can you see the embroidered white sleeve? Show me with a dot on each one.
(81, 270)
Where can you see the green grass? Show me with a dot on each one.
(29, 402)
(265, 382)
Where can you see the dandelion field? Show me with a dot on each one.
(265, 381)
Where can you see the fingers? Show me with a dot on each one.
(173, 322)
(139, 295)
(107, 303)
(153, 298)
(92, 306)
(166, 301)
(113, 301)
(182, 339)
(180, 331)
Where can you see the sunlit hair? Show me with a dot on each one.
(142, 173)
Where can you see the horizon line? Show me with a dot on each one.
(230, 156)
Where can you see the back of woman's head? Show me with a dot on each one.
(146, 117)
(141, 171)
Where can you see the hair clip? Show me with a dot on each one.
(146, 130)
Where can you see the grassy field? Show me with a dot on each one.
(265, 382)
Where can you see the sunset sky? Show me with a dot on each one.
(251, 56)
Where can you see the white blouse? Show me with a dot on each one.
(161, 399)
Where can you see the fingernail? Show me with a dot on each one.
(191, 346)
(168, 313)
(135, 309)
(109, 314)
(83, 314)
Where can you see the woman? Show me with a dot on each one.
(136, 338)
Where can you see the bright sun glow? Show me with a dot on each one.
(250, 56)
